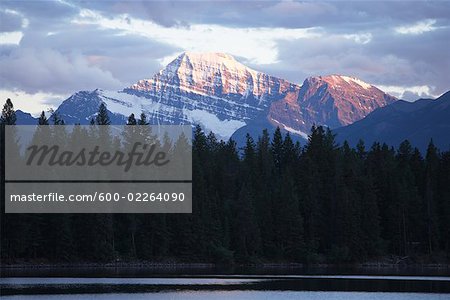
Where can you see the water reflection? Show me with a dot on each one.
(65, 285)
(245, 295)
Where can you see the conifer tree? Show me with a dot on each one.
(431, 180)
(43, 119)
(8, 114)
(131, 120)
(143, 119)
(102, 116)
(277, 150)
(56, 119)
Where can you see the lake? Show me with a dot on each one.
(269, 283)
(247, 295)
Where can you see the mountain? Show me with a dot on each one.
(418, 121)
(333, 101)
(212, 89)
(223, 95)
(24, 118)
(82, 106)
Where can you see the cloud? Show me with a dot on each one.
(35, 70)
(410, 93)
(363, 38)
(417, 28)
(11, 20)
(11, 38)
(337, 15)
(205, 38)
(32, 103)
(127, 58)
(43, 10)
(73, 45)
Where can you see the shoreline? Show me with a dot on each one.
(214, 265)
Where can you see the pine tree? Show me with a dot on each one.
(131, 120)
(15, 228)
(277, 150)
(275, 202)
(405, 193)
(249, 157)
(130, 133)
(143, 119)
(102, 116)
(42, 119)
(263, 194)
(431, 180)
(245, 227)
(145, 131)
(56, 119)
(8, 114)
(320, 158)
(361, 150)
(443, 205)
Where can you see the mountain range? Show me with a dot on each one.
(223, 95)
(418, 122)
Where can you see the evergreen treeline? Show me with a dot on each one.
(274, 201)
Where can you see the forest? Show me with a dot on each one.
(273, 200)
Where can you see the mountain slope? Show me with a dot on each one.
(82, 106)
(419, 122)
(24, 118)
(213, 90)
(333, 101)
(223, 95)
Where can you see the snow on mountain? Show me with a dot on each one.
(352, 80)
(212, 89)
(223, 95)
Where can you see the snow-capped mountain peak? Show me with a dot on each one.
(211, 89)
(206, 73)
(342, 82)
(337, 79)
(221, 94)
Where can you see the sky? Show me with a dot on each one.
(51, 49)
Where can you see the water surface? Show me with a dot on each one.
(245, 295)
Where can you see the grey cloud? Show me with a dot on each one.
(51, 101)
(89, 39)
(47, 10)
(181, 13)
(299, 59)
(346, 15)
(339, 16)
(127, 57)
(388, 59)
(6, 49)
(33, 70)
(10, 21)
(425, 58)
(132, 69)
(410, 96)
(110, 59)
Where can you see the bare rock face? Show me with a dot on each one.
(215, 74)
(333, 100)
(210, 88)
(223, 95)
